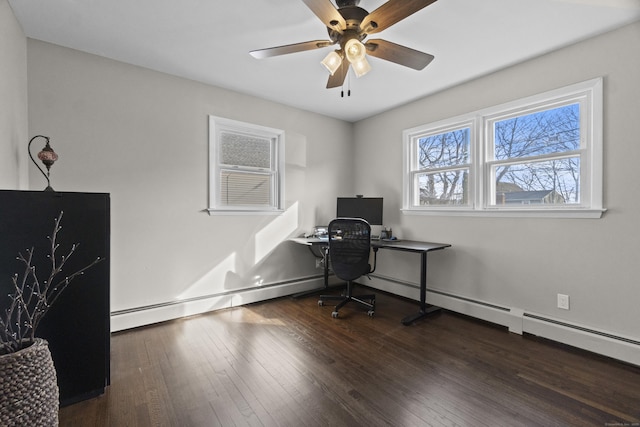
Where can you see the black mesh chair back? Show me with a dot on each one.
(349, 251)
(349, 247)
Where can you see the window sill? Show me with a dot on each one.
(512, 213)
(214, 212)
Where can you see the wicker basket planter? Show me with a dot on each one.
(28, 387)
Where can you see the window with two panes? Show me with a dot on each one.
(246, 167)
(537, 153)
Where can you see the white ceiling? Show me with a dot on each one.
(209, 41)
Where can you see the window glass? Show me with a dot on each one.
(443, 188)
(444, 149)
(246, 167)
(543, 182)
(244, 150)
(441, 172)
(551, 131)
(552, 138)
(539, 154)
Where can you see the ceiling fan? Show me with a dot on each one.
(348, 26)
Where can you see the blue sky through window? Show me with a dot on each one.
(548, 133)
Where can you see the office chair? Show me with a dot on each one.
(349, 251)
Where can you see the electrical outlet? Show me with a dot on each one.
(563, 301)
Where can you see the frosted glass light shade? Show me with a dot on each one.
(354, 50)
(361, 67)
(332, 62)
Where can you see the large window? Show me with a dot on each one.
(246, 167)
(541, 155)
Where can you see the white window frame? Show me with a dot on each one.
(411, 160)
(217, 125)
(481, 188)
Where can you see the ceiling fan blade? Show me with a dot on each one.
(328, 14)
(290, 48)
(391, 12)
(337, 79)
(399, 54)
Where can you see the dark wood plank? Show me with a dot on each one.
(287, 362)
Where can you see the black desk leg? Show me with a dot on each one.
(425, 309)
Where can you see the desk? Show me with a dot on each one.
(423, 248)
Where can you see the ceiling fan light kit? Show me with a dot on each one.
(332, 61)
(355, 50)
(361, 67)
(348, 25)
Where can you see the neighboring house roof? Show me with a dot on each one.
(526, 196)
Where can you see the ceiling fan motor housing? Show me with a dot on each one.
(343, 3)
(353, 16)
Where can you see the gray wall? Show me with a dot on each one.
(523, 263)
(13, 102)
(143, 137)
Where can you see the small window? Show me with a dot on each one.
(540, 155)
(246, 167)
(441, 164)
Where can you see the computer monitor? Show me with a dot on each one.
(367, 208)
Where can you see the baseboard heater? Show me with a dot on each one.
(520, 321)
(160, 312)
(582, 328)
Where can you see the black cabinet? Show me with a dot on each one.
(77, 326)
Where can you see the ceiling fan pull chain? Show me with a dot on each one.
(348, 89)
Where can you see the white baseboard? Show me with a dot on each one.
(515, 319)
(596, 341)
(147, 315)
(520, 321)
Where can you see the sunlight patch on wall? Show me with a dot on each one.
(213, 279)
(278, 230)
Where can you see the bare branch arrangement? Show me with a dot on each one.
(32, 298)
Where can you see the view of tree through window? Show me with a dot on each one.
(444, 161)
(536, 157)
(539, 155)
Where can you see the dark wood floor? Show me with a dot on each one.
(287, 362)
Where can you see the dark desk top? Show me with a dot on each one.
(408, 245)
(399, 245)
(310, 241)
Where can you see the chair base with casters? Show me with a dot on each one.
(349, 297)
